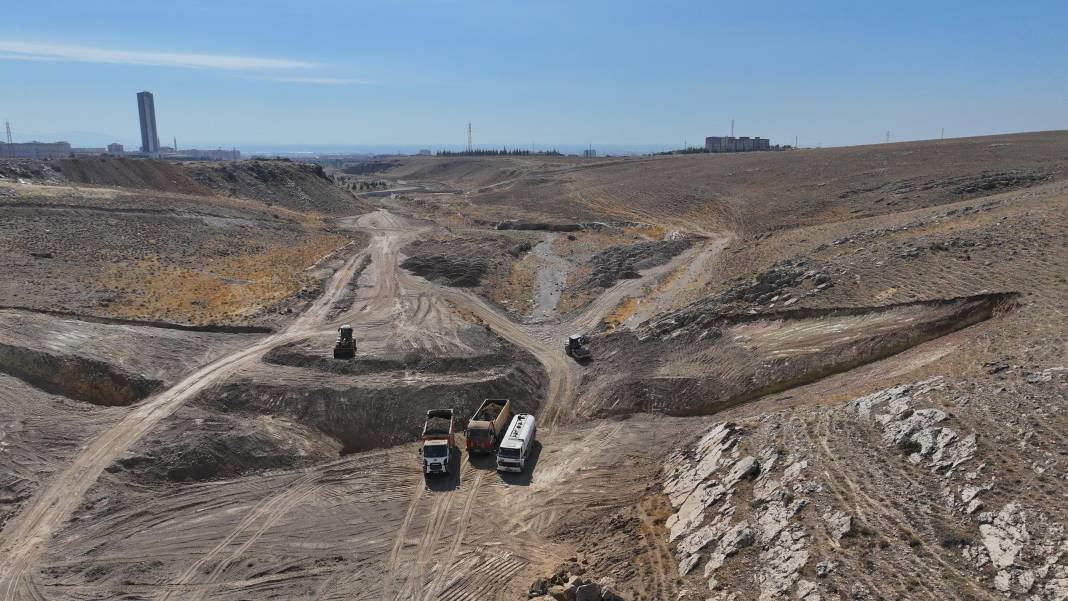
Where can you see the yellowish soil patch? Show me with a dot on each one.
(518, 291)
(225, 288)
(627, 307)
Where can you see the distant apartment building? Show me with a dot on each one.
(589, 152)
(146, 110)
(424, 152)
(88, 151)
(115, 148)
(35, 150)
(732, 144)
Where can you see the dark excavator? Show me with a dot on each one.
(345, 347)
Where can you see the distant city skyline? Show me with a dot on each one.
(553, 73)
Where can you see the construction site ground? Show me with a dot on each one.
(172, 424)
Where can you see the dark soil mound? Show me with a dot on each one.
(76, 377)
(624, 262)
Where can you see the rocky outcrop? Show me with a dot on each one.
(752, 522)
(727, 502)
(571, 583)
(624, 262)
(917, 431)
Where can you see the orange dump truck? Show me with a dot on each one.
(486, 427)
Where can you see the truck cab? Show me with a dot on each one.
(516, 446)
(436, 457)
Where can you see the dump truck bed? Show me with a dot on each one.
(490, 410)
(439, 424)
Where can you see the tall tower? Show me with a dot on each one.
(470, 146)
(146, 110)
(7, 126)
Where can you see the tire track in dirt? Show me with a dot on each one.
(264, 507)
(393, 563)
(846, 499)
(268, 512)
(415, 584)
(482, 579)
(457, 540)
(872, 509)
(889, 513)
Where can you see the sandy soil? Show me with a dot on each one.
(248, 464)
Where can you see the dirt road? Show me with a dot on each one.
(30, 531)
(25, 535)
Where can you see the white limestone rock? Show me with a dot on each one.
(1005, 535)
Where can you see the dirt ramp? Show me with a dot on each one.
(76, 377)
(704, 365)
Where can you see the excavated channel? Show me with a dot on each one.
(312, 409)
(76, 377)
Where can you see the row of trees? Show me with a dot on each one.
(480, 152)
(690, 150)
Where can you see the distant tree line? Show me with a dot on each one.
(688, 150)
(503, 152)
(702, 150)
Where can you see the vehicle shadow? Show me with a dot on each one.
(479, 461)
(447, 481)
(525, 477)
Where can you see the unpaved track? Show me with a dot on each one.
(25, 535)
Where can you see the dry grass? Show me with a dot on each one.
(627, 307)
(226, 288)
(517, 292)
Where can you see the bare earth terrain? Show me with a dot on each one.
(818, 374)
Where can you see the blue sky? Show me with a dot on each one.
(236, 72)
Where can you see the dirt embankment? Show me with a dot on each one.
(464, 261)
(624, 262)
(693, 364)
(297, 186)
(416, 361)
(161, 245)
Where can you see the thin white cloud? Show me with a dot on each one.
(324, 81)
(17, 50)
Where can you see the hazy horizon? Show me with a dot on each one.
(552, 74)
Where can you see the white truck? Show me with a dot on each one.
(438, 440)
(517, 443)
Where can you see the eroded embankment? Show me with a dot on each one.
(294, 355)
(76, 377)
(711, 364)
(363, 418)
